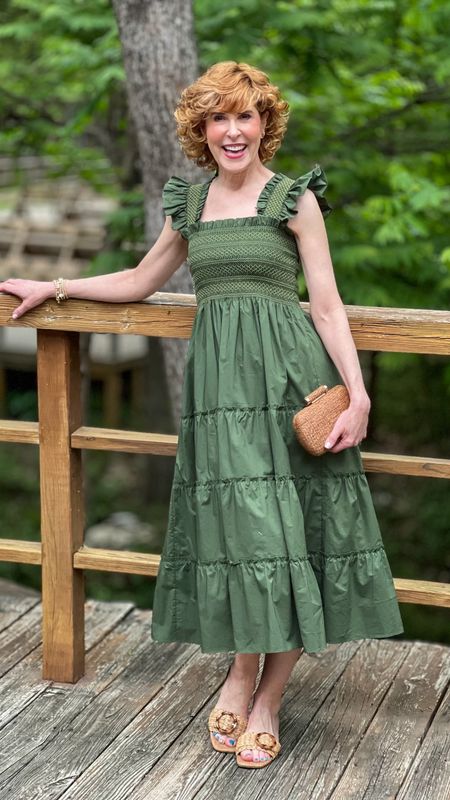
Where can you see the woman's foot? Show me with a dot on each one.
(237, 691)
(262, 718)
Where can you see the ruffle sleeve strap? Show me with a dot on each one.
(315, 180)
(174, 198)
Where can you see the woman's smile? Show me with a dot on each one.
(234, 150)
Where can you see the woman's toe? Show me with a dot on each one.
(255, 755)
(228, 740)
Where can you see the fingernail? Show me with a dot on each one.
(327, 444)
(14, 315)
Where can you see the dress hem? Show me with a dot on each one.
(337, 640)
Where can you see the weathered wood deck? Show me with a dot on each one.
(366, 719)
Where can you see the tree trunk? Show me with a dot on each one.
(160, 59)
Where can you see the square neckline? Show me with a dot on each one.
(204, 194)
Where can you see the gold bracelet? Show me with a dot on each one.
(61, 292)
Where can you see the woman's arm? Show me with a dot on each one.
(329, 317)
(161, 261)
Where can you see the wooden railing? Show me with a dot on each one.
(61, 437)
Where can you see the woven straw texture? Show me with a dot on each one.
(268, 548)
(263, 741)
(313, 423)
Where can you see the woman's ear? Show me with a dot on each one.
(264, 117)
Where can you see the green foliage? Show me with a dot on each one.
(20, 507)
(417, 384)
(24, 405)
(367, 84)
(62, 84)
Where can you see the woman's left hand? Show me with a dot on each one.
(350, 427)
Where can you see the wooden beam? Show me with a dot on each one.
(406, 465)
(20, 552)
(149, 318)
(62, 510)
(88, 438)
(425, 593)
(12, 430)
(116, 561)
(91, 438)
(402, 330)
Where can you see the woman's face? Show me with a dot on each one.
(234, 139)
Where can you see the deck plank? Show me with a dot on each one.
(319, 728)
(384, 756)
(23, 683)
(120, 768)
(191, 768)
(139, 671)
(100, 619)
(360, 721)
(329, 742)
(19, 639)
(429, 778)
(40, 721)
(12, 608)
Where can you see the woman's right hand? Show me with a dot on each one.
(32, 293)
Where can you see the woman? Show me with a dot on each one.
(268, 549)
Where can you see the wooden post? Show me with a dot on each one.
(62, 507)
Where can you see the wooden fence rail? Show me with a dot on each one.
(61, 437)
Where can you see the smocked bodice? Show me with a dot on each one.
(254, 255)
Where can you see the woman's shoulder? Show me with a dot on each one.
(315, 180)
(175, 189)
(182, 201)
(174, 200)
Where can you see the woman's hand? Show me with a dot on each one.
(32, 293)
(350, 427)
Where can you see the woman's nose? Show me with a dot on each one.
(233, 128)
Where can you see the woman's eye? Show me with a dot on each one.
(246, 114)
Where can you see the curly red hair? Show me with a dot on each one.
(232, 87)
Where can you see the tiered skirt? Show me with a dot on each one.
(267, 548)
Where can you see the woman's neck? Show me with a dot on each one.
(232, 181)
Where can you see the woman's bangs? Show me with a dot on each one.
(235, 101)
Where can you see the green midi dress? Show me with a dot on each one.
(267, 548)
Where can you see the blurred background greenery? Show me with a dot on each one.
(367, 84)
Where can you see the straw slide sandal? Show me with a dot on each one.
(250, 740)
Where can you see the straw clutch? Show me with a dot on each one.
(315, 421)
